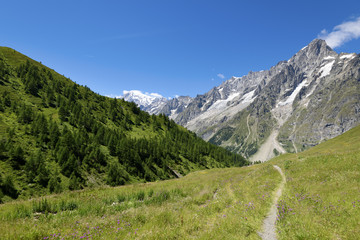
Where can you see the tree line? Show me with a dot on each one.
(58, 135)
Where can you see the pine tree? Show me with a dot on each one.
(55, 183)
(42, 177)
(17, 157)
(74, 182)
(8, 187)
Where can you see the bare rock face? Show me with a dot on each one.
(312, 97)
(175, 106)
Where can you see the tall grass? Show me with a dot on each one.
(215, 203)
(322, 195)
(321, 200)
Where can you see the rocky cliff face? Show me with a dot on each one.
(296, 104)
(310, 98)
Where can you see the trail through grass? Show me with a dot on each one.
(212, 204)
(269, 228)
(321, 199)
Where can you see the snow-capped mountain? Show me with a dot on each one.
(150, 102)
(295, 104)
(154, 103)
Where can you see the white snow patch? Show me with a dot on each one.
(291, 98)
(351, 56)
(329, 58)
(219, 104)
(325, 70)
(248, 97)
(304, 48)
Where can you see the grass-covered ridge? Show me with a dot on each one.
(56, 135)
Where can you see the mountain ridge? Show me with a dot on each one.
(242, 112)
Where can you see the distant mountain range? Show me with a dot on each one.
(152, 103)
(296, 104)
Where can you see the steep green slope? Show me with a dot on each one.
(322, 194)
(57, 135)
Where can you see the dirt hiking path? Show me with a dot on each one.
(269, 229)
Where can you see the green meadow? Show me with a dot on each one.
(321, 200)
(210, 204)
(322, 194)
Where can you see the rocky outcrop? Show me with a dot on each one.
(313, 96)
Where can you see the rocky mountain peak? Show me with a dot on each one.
(312, 55)
(291, 106)
(150, 102)
(319, 48)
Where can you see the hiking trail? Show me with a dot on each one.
(269, 228)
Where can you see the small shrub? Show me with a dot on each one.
(68, 206)
(121, 198)
(287, 164)
(140, 196)
(108, 201)
(43, 206)
(21, 212)
(150, 193)
(161, 197)
(72, 206)
(276, 152)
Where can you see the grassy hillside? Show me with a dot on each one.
(321, 200)
(210, 204)
(322, 194)
(56, 135)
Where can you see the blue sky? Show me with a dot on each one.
(167, 47)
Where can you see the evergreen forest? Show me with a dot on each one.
(56, 135)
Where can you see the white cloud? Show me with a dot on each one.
(342, 33)
(220, 75)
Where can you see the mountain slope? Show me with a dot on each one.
(57, 135)
(296, 104)
(151, 103)
(156, 104)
